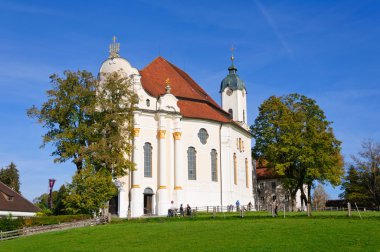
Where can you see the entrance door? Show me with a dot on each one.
(148, 201)
(113, 205)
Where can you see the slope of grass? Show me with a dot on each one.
(228, 233)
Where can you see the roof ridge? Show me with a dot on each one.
(18, 194)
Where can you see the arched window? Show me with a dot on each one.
(235, 169)
(246, 173)
(147, 160)
(192, 163)
(243, 115)
(147, 102)
(231, 112)
(214, 164)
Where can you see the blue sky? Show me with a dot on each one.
(327, 50)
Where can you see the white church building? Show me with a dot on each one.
(187, 148)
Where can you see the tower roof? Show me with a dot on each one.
(232, 80)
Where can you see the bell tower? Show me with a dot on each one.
(234, 94)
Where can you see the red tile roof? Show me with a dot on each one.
(17, 202)
(264, 173)
(193, 102)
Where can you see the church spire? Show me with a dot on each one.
(232, 55)
(232, 69)
(114, 49)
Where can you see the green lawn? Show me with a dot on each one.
(257, 232)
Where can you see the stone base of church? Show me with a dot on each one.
(137, 202)
(123, 204)
(178, 198)
(162, 202)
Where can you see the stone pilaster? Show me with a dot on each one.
(162, 194)
(178, 176)
(137, 197)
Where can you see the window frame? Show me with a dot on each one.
(148, 173)
(191, 163)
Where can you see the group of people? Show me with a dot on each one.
(230, 208)
(173, 211)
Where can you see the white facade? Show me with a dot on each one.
(160, 125)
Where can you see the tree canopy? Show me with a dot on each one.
(293, 135)
(10, 176)
(89, 121)
(362, 182)
(320, 197)
(89, 191)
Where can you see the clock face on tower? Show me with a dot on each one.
(229, 92)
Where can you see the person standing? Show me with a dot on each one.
(237, 206)
(188, 210)
(181, 212)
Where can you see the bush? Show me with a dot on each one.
(9, 223)
(50, 220)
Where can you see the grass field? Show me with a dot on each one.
(325, 231)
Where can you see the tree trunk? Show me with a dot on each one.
(309, 200)
(303, 198)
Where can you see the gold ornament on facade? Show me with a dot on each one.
(167, 87)
(135, 186)
(177, 135)
(136, 132)
(178, 188)
(161, 134)
(162, 187)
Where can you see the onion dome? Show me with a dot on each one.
(232, 80)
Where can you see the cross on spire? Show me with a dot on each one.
(114, 49)
(232, 54)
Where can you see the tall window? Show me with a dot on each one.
(235, 169)
(214, 161)
(246, 173)
(191, 163)
(231, 113)
(147, 160)
(273, 186)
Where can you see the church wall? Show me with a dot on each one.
(202, 191)
(231, 144)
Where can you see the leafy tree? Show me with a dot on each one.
(68, 115)
(362, 184)
(10, 177)
(89, 191)
(320, 197)
(57, 196)
(294, 137)
(90, 120)
(355, 190)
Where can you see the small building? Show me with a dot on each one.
(270, 189)
(13, 203)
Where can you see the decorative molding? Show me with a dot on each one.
(177, 135)
(161, 134)
(162, 187)
(136, 132)
(178, 188)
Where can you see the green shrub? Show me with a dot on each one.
(50, 220)
(9, 223)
